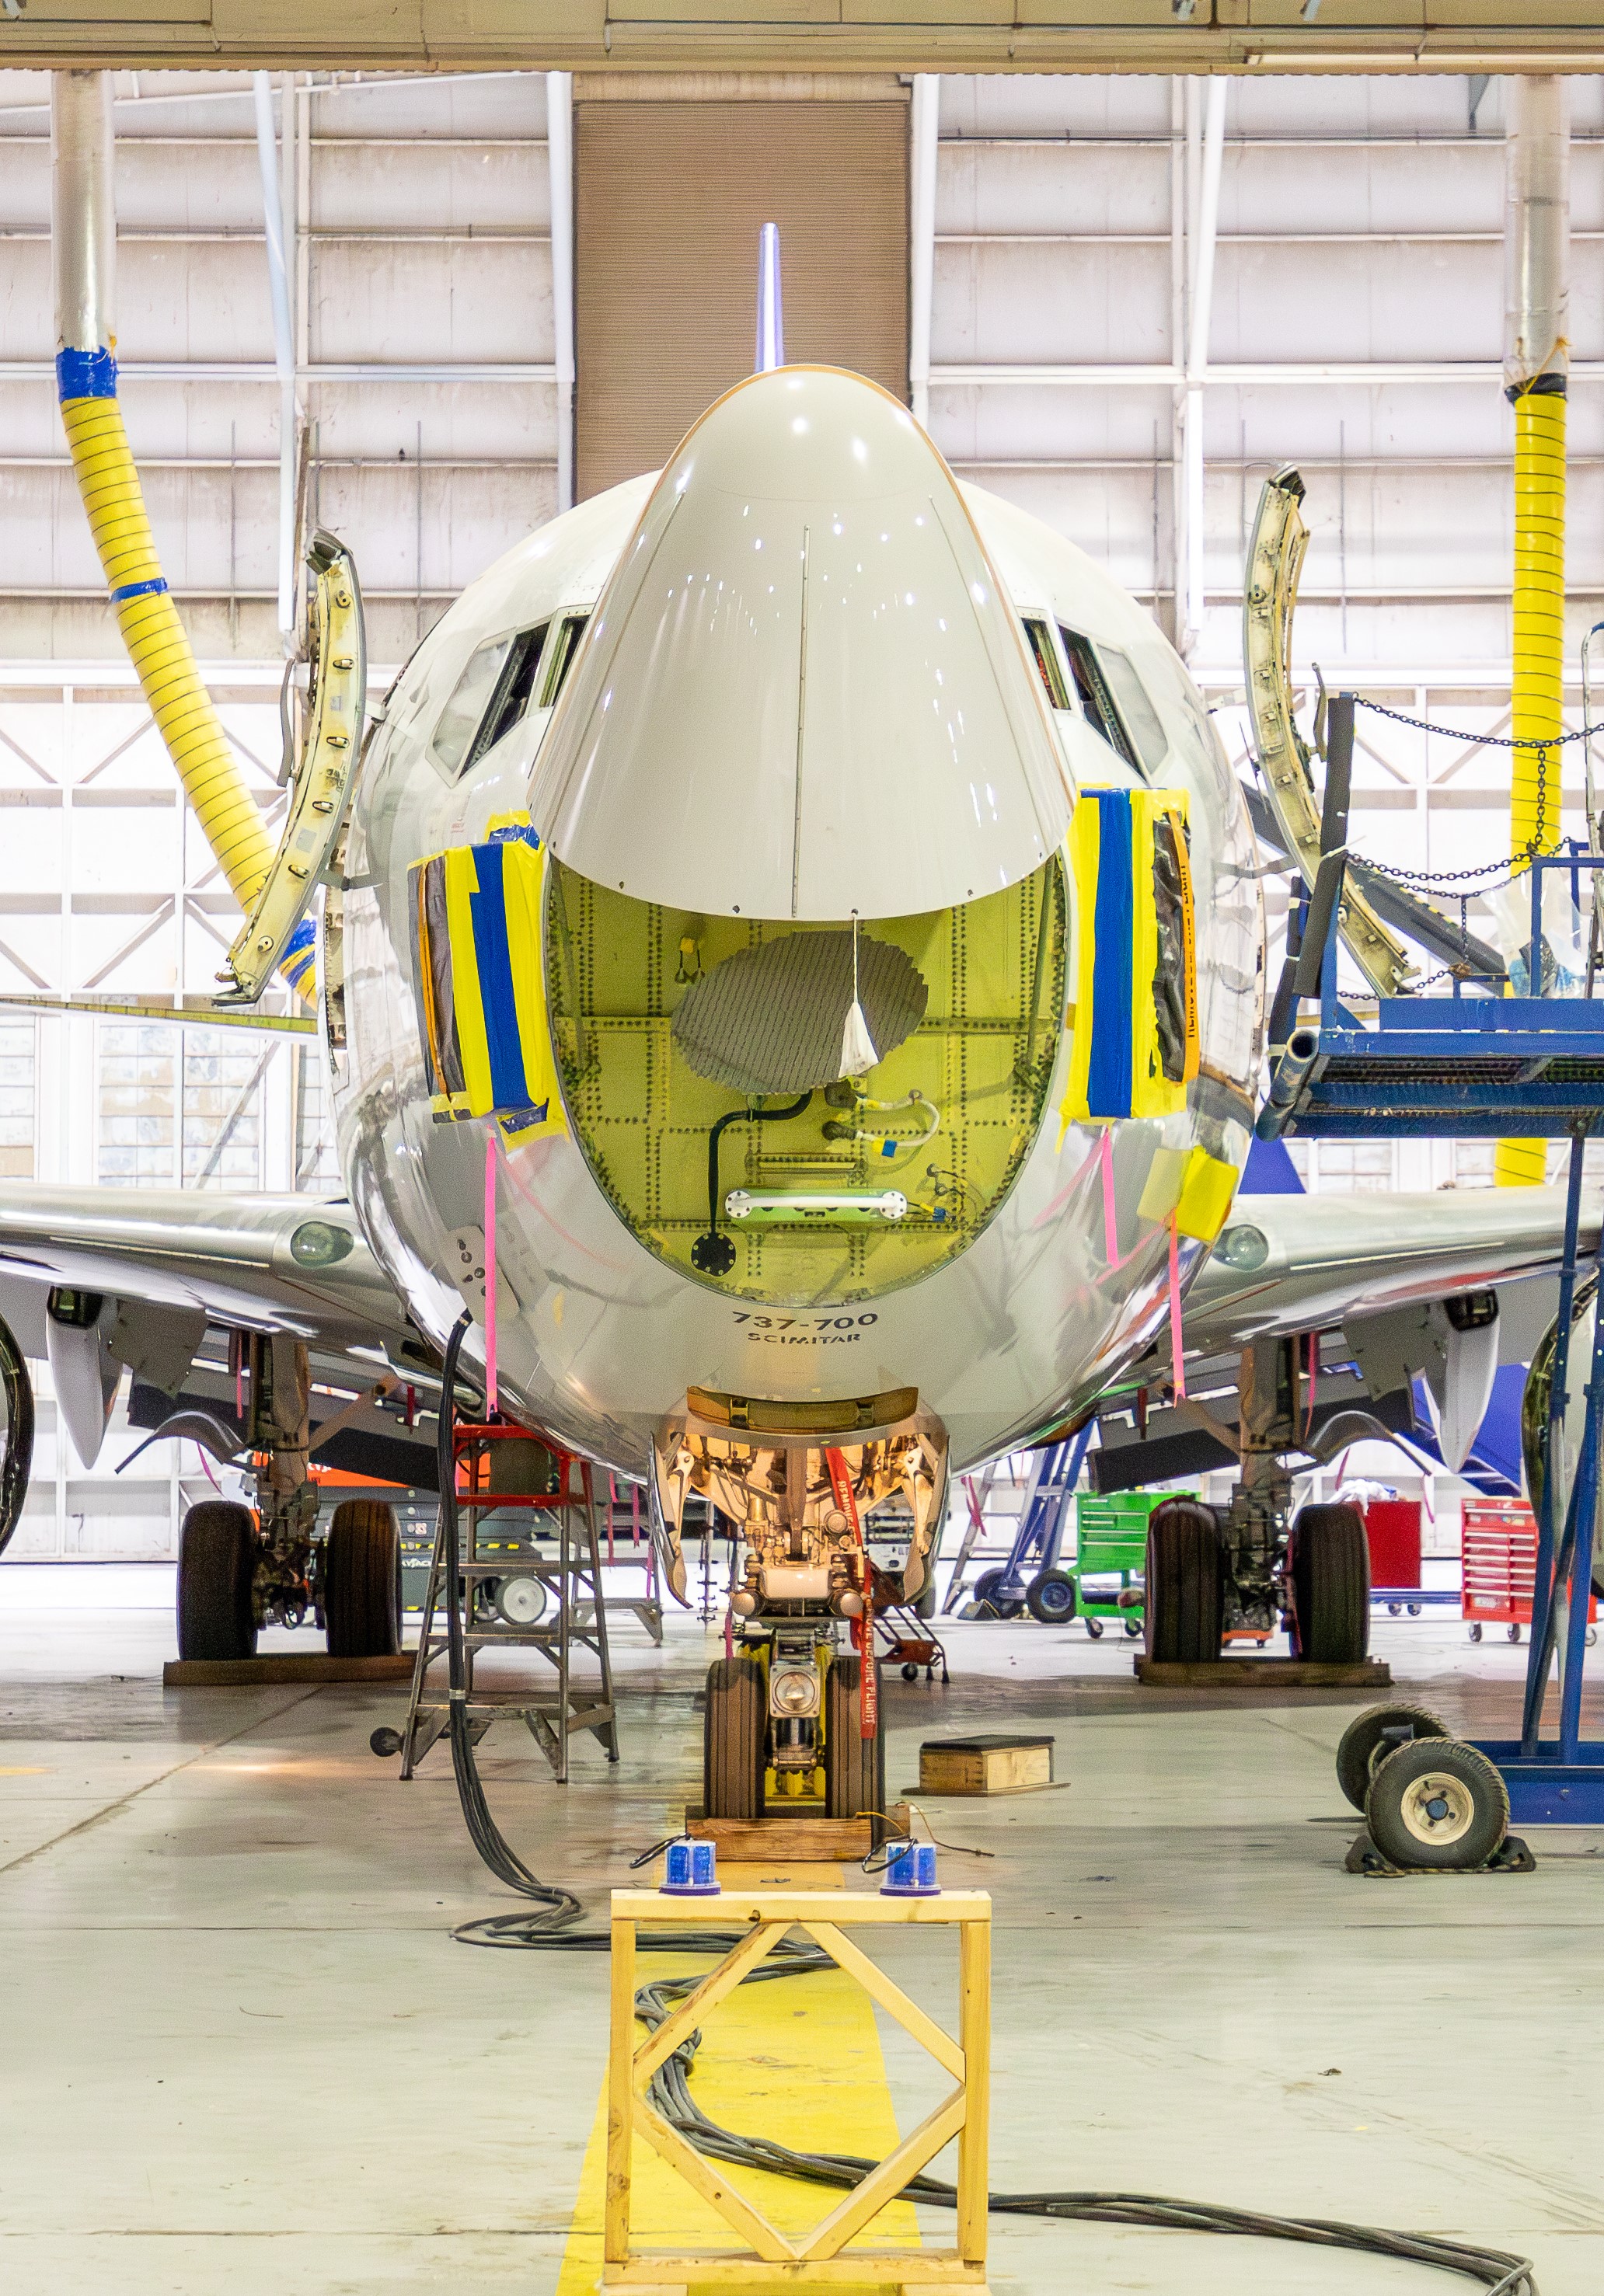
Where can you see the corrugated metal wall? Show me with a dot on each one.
(670, 198)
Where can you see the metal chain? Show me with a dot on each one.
(1510, 864)
(1479, 740)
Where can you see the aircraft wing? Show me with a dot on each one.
(268, 1263)
(1332, 1259)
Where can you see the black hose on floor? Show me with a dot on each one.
(670, 2094)
(562, 1907)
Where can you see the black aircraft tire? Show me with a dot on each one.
(1437, 1805)
(1331, 1574)
(217, 1562)
(1356, 1752)
(854, 1765)
(1050, 1598)
(362, 1581)
(734, 1729)
(1184, 1596)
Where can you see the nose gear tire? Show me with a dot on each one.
(1184, 1616)
(362, 1581)
(216, 1562)
(1330, 1574)
(733, 1728)
(854, 1765)
(1437, 1805)
(1365, 1738)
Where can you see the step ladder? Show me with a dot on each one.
(500, 1531)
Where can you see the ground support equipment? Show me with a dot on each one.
(513, 1593)
(821, 2259)
(1031, 1577)
(1487, 1066)
(1111, 1542)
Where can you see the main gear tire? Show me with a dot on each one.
(216, 1564)
(735, 1729)
(1331, 1578)
(1184, 1597)
(854, 1765)
(362, 1581)
(1365, 1740)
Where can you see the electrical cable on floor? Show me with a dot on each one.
(562, 1907)
(670, 2094)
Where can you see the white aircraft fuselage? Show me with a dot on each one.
(805, 694)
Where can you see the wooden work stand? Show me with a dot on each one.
(821, 2259)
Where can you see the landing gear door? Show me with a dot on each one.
(1275, 561)
(320, 780)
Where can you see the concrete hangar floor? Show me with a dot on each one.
(242, 2050)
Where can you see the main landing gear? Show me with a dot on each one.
(1248, 1567)
(240, 1568)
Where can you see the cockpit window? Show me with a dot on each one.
(1047, 664)
(1096, 701)
(1142, 719)
(560, 656)
(492, 694)
(460, 719)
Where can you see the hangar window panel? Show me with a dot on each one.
(317, 1158)
(135, 1123)
(654, 1052)
(222, 1115)
(1354, 1168)
(17, 1040)
(1473, 1163)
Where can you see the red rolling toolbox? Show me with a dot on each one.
(1498, 1567)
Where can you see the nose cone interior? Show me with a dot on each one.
(804, 692)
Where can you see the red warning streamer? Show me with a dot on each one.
(863, 1628)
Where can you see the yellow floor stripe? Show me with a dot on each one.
(799, 2059)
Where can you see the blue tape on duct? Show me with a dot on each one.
(138, 590)
(1108, 1076)
(86, 375)
(299, 952)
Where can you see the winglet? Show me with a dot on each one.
(772, 317)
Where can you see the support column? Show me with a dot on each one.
(559, 154)
(925, 130)
(1202, 230)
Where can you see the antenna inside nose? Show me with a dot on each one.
(771, 318)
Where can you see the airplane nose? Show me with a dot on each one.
(804, 691)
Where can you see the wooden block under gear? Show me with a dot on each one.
(281, 1666)
(798, 1839)
(991, 1764)
(1281, 1673)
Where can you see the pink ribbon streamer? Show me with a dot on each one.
(1177, 1350)
(492, 1386)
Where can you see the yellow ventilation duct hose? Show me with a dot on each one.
(1536, 267)
(84, 235)
(159, 647)
(1538, 691)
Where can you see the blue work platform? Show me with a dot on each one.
(1481, 1066)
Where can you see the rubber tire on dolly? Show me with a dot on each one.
(362, 1581)
(984, 1593)
(1051, 1597)
(1185, 1586)
(854, 1765)
(1330, 1574)
(735, 1728)
(216, 1562)
(1476, 1819)
(1356, 1752)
